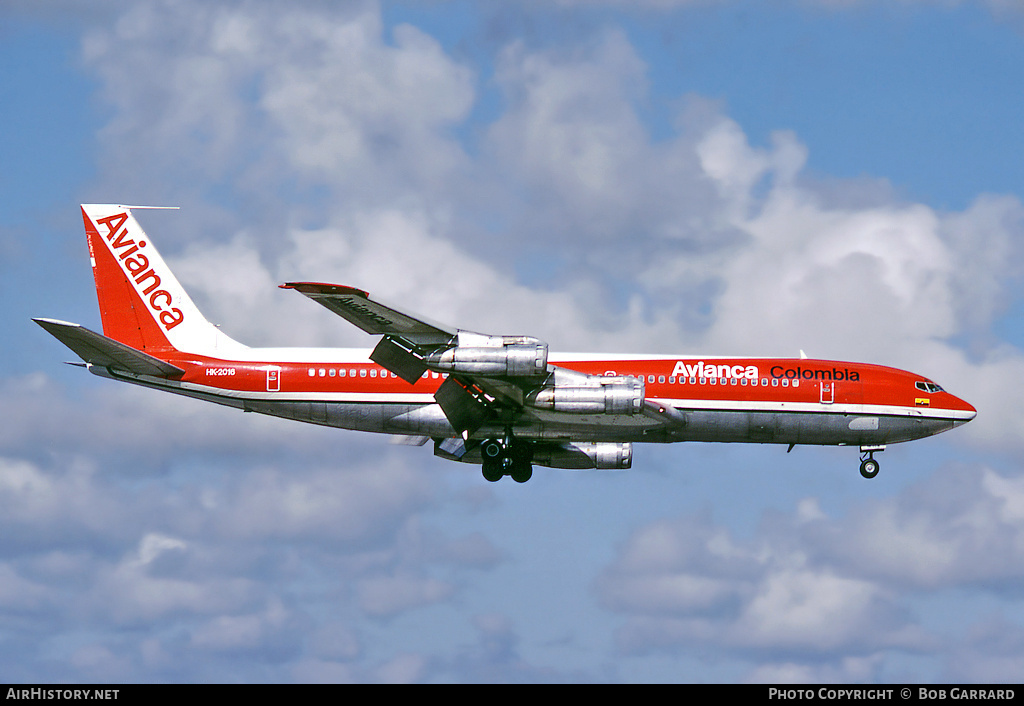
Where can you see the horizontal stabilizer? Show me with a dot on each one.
(97, 349)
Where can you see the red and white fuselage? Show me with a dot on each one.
(153, 335)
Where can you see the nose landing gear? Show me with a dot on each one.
(507, 458)
(868, 465)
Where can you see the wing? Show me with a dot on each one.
(489, 377)
(373, 316)
(498, 381)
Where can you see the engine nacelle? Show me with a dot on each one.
(601, 455)
(512, 360)
(601, 395)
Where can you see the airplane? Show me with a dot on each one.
(502, 402)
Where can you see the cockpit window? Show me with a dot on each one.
(927, 386)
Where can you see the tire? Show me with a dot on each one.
(492, 449)
(869, 468)
(520, 456)
(493, 469)
(521, 472)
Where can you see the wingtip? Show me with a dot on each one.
(323, 288)
(43, 321)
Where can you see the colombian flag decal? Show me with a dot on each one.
(922, 401)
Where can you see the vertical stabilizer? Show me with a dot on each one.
(142, 304)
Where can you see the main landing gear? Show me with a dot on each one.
(507, 458)
(868, 464)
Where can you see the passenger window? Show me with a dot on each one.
(672, 380)
(332, 372)
(661, 379)
(650, 378)
(362, 372)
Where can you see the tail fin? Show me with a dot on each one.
(142, 304)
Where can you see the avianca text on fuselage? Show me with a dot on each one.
(143, 277)
(702, 370)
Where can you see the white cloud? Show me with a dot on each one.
(385, 596)
(262, 95)
(823, 591)
(248, 632)
(129, 592)
(679, 590)
(961, 527)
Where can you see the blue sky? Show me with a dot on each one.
(707, 177)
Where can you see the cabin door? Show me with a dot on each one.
(273, 379)
(828, 391)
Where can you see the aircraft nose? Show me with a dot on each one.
(966, 409)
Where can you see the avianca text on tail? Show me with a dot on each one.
(137, 270)
(501, 401)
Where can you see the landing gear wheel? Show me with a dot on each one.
(521, 472)
(492, 450)
(520, 458)
(493, 453)
(493, 469)
(512, 458)
(869, 468)
(868, 464)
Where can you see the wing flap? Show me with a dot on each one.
(464, 411)
(97, 349)
(398, 359)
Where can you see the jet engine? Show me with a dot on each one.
(602, 455)
(616, 396)
(576, 393)
(517, 356)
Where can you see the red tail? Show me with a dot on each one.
(142, 304)
(122, 310)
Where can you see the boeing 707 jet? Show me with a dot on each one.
(503, 402)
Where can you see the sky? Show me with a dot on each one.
(691, 177)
